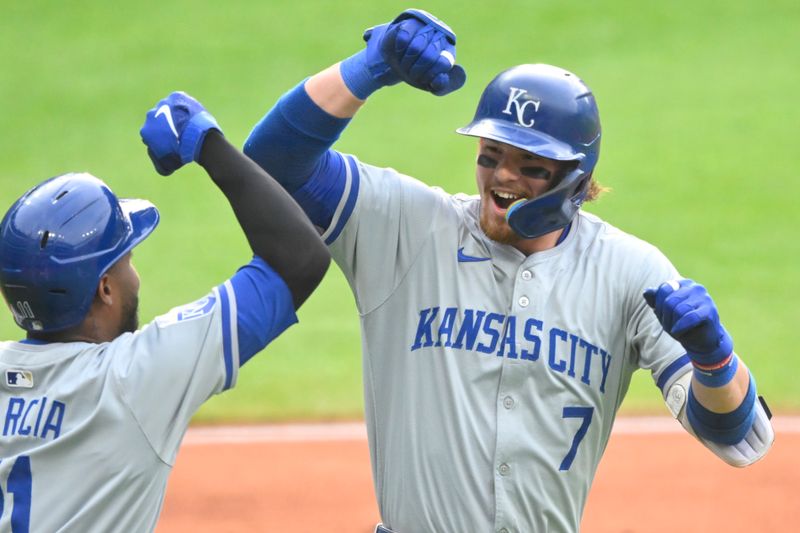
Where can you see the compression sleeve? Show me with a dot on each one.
(276, 229)
(293, 139)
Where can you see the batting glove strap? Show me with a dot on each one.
(723, 428)
(192, 137)
(710, 359)
(717, 375)
(366, 72)
(361, 79)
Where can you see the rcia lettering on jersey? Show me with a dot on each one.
(498, 334)
(33, 417)
(514, 96)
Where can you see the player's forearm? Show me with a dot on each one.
(726, 398)
(276, 228)
(722, 410)
(328, 90)
(722, 398)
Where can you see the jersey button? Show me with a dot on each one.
(523, 301)
(504, 469)
(526, 275)
(508, 402)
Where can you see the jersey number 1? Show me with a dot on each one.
(19, 485)
(576, 412)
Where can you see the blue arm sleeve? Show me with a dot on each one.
(292, 143)
(293, 139)
(724, 428)
(264, 307)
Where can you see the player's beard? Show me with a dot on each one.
(130, 315)
(496, 228)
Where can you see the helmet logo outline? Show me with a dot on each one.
(514, 95)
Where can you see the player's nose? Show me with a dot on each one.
(505, 173)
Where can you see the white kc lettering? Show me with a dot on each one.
(520, 106)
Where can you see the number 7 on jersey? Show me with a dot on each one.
(576, 412)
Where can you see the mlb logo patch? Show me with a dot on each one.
(20, 379)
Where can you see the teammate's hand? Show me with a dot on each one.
(687, 312)
(174, 130)
(415, 47)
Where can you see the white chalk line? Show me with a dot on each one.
(356, 431)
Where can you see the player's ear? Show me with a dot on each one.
(104, 290)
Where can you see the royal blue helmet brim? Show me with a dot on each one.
(529, 140)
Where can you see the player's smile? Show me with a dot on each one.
(503, 199)
(505, 175)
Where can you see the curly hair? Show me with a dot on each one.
(595, 190)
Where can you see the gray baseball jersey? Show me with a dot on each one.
(491, 379)
(91, 431)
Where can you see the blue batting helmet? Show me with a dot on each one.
(58, 240)
(550, 112)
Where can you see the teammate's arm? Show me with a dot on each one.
(276, 229)
(415, 47)
(722, 405)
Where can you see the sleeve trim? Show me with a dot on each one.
(230, 341)
(671, 370)
(346, 203)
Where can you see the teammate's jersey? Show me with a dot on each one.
(91, 431)
(491, 379)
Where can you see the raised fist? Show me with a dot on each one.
(174, 130)
(415, 47)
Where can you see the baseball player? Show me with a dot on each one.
(93, 409)
(501, 330)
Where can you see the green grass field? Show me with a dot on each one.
(700, 119)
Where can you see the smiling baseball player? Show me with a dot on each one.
(92, 410)
(500, 331)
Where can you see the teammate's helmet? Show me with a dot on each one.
(58, 240)
(550, 112)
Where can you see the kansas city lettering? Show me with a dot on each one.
(505, 336)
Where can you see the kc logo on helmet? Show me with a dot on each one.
(516, 97)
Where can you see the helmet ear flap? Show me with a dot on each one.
(581, 189)
(551, 211)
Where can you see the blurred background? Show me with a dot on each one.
(700, 119)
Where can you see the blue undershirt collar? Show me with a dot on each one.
(33, 341)
(564, 234)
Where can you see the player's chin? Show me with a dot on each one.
(130, 315)
(496, 227)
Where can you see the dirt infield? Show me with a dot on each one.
(653, 479)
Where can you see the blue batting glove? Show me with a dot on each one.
(415, 47)
(174, 131)
(687, 312)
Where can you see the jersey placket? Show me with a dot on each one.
(509, 401)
